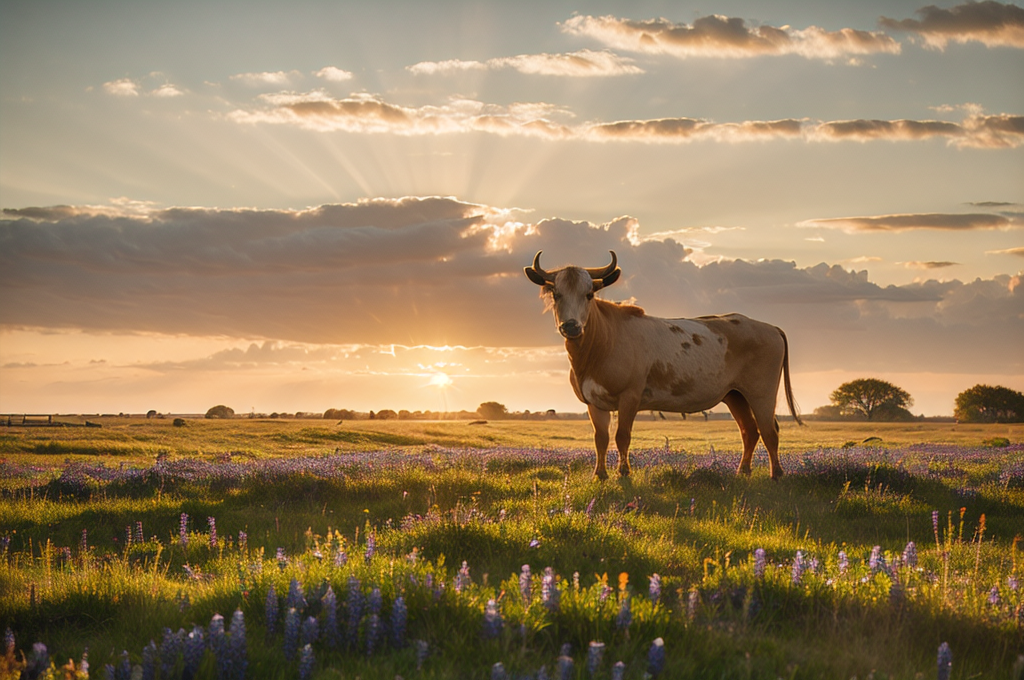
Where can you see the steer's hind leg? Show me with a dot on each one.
(600, 420)
(740, 410)
(768, 426)
(624, 431)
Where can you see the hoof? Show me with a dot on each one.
(743, 471)
(624, 472)
(600, 475)
(777, 474)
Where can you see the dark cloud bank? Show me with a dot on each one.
(438, 271)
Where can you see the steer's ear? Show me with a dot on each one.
(534, 276)
(608, 280)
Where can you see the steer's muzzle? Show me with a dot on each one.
(570, 329)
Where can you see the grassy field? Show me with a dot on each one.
(404, 543)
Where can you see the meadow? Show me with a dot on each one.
(376, 549)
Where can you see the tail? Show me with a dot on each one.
(789, 386)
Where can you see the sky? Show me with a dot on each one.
(309, 205)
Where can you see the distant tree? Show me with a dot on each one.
(830, 412)
(492, 410)
(987, 404)
(872, 399)
(386, 414)
(151, 413)
(220, 411)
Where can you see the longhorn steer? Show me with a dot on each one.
(623, 360)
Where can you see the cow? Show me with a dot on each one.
(624, 360)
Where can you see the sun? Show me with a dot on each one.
(441, 381)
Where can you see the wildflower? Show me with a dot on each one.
(656, 658)
(170, 647)
(123, 670)
(945, 659)
(606, 590)
(354, 604)
(534, 543)
(693, 506)
(399, 616)
(243, 541)
(306, 662)
(799, 566)
(524, 584)
(217, 640)
(195, 646)
(1012, 583)
(422, 650)
(371, 546)
(844, 562)
(565, 667)
(877, 560)
(654, 590)
(140, 537)
(309, 632)
(282, 561)
(498, 671)
(492, 620)
(993, 596)
(462, 579)
(910, 555)
(576, 581)
(372, 633)
(340, 558)
(549, 593)
(291, 633)
(183, 530)
(595, 655)
(127, 535)
(625, 616)
(618, 671)
(8, 642)
(295, 598)
(935, 525)
(759, 562)
(329, 614)
(85, 542)
(692, 603)
(237, 651)
(213, 531)
(39, 664)
(270, 607)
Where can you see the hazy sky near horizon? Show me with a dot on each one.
(297, 206)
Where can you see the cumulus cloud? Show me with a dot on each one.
(728, 37)
(1019, 252)
(581, 64)
(911, 221)
(167, 90)
(273, 78)
(334, 74)
(437, 271)
(125, 87)
(991, 23)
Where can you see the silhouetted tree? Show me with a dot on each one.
(987, 404)
(492, 410)
(386, 414)
(872, 399)
(220, 411)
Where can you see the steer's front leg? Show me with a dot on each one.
(628, 406)
(600, 419)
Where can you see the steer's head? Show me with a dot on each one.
(570, 290)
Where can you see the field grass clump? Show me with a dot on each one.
(436, 560)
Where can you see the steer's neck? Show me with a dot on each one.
(586, 351)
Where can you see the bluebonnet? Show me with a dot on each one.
(524, 584)
(340, 558)
(422, 650)
(295, 599)
(282, 559)
(910, 555)
(799, 566)
(9, 641)
(309, 631)
(625, 617)
(595, 655)
(37, 666)
(549, 593)
(122, 671)
(565, 667)
(759, 562)
(306, 662)
(354, 604)
(1012, 583)
(329, 615)
(149, 655)
(371, 546)
(270, 607)
(212, 521)
(183, 529)
(492, 620)
(243, 541)
(218, 641)
(618, 671)
(993, 596)
(170, 648)
(291, 633)
(195, 646)
(945, 661)
(656, 658)
(498, 672)
(462, 580)
(399, 616)
(236, 653)
(375, 603)
(877, 560)
(654, 590)
(844, 562)
(139, 537)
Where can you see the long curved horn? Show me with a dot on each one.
(598, 272)
(537, 274)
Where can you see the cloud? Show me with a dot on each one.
(437, 271)
(581, 64)
(727, 37)
(274, 78)
(334, 74)
(167, 90)
(674, 130)
(1019, 252)
(125, 87)
(907, 222)
(993, 24)
(928, 265)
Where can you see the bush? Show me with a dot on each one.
(220, 411)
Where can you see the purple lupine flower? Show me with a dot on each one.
(945, 659)
(39, 663)
(85, 542)
(373, 633)
(329, 614)
(606, 590)
(309, 632)
(270, 607)
(1012, 583)
(993, 596)
(8, 642)
(595, 655)
(306, 662)
(462, 579)
(565, 667)
(877, 560)
(493, 622)
(237, 650)
(656, 658)
(654, 590)
(625, 617)
(844, 562)
(399, 617)
(291, 633)
(371, 546)
(282, 559)
(243, 541)
(935, 525)
(340, 558)
(799, 566)
(295, 599)
(759, 562)
(170, 647)
(354, 604)
(534, 543)
(183, 530)
(549, 593)
(140, 537)
(212, 521)
(498, 672)
(122, 671)
(217, 640)
(618, 671)
(422, 651)
(910, 555)
(195, 646)
(524, 584)
(109, 673)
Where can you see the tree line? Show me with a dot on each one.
(878, 400)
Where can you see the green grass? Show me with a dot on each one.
(717, 619)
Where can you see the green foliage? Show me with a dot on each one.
(492, 410)
(220, 411)
(872, 399)
(987, 404)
